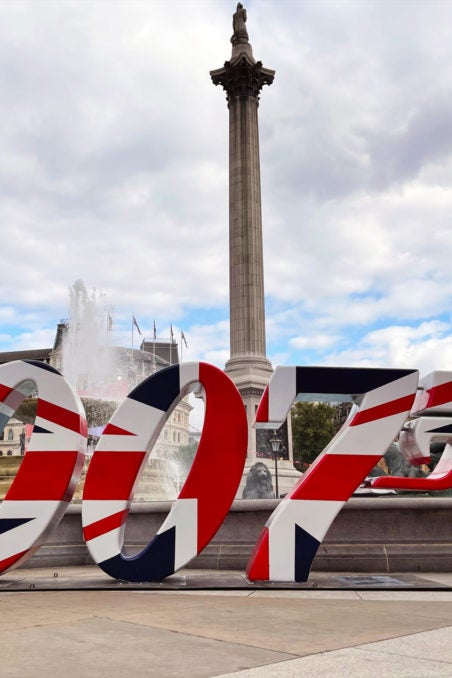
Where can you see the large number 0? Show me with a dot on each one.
(202, 504)
(293, 533)
(50, 470)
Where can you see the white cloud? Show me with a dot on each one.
(113, 168)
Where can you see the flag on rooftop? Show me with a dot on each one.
(155, 331)
(136, 325)
(184, 339)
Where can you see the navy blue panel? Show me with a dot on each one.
(7, 524)
(441, 429)
(305, 549)
(159, 390)
(39, 429)
(346, 380)
(43, 366)
(155, 562)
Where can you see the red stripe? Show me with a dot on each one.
(112, 475)
(113, 430)
(440, 482)
(438, 395)
(385, 410)
(262, 410)
(224, 436)
(258, 568)
(61, 416)
(4, 391)
(105, 525)
(334, 477)
(7, 562)
(44, 476)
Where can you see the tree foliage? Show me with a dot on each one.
(312, 430)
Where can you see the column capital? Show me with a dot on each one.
(242, 77)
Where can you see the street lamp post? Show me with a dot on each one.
(275, 442)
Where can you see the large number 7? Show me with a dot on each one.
(290, 539)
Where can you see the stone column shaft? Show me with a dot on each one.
(246, 284)
(243, 78)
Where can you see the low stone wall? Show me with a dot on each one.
(393, 534)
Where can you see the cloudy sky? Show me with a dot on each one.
(113, 169)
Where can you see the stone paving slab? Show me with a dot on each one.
(421, 655)
(113, 649)
(198, 633)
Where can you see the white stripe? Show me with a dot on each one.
(107, 545)
(143, 421)
(45, 514)
(281, 393)
(313, 516)
(373, 437)
(188, 373)
(184, 516)
(391, 391)
(98, 509)
(59, 438)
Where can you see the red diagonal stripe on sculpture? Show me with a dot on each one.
(385, 410)
(4, 391)
(334, 477)
(105, 525)
(438, 395)
(112, 475)
(113, 430)
(61, 416)
(262, 410)
(7, 562)
(260, 558)
(45, 476)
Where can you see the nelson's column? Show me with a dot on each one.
(243, 78)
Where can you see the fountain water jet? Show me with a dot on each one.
(103, 374)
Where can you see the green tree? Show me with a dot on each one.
(312, 429)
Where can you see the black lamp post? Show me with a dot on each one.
(275, 442)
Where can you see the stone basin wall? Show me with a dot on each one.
(394, 534)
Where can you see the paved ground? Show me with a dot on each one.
(402, 629)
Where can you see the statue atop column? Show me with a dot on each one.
(240, 35)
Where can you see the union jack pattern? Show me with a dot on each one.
(50, 469)
(290, 539)
(122, 451)
(432, 404)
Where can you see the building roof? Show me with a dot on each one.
(42, 354)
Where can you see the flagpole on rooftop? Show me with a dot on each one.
(182, 339)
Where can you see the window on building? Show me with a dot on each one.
(10, 434)
(9, 453)
(2, 435)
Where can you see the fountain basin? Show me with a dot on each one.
(396, 534)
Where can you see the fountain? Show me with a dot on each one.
(103, 375)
